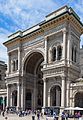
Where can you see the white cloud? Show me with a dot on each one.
(23, 12)
(3, 37)
(78, 6)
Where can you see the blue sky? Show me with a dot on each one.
(21, 14)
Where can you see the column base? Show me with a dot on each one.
(61, 110)
(18, 108)
(43, 110)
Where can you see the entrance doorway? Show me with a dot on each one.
(14, 98)
(34, 82)
(28, 100)
(55, 96)
(79, 99)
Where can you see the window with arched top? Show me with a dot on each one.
(72, 53)
(54, 53)
(59, 52)
(75, 52)
(16, 64)
(13, 65)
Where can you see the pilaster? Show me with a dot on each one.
(44, 93)
(8, 95)
(50, 55)
(18, 95)
(49, 99)
(63, 92)
(64, 44)
(45, 57)
(68, 93)
(69, 46)
(19, 58)
(23, 95)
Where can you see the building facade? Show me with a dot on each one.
(44, 63)
(3, 91)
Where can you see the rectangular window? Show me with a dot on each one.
(0, 77)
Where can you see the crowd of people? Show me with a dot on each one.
(20, 113)
(65, 115)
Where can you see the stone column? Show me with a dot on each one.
(57, 97)
(63, 92)
(23, 95)
(15, 65)
(8, 65)
(69, 46)
(49, 99)
(64, 44)
(12, 66)
(11, 102)
(44, 94)
(50, 55)
(68, 94)
(8, 95)
(35, 94)
(45, 57)
(18, 95)
(19, 58)
(3, 102)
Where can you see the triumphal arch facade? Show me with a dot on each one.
(43, 62)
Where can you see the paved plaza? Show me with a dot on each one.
(16, 117)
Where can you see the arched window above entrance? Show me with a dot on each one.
(54, 53)
(59, 52)
(55, 94)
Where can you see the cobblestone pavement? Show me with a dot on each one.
(28, 117)
(16, 117)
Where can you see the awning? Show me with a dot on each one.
(73, 108)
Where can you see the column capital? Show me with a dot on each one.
(44, 79)
(8, 85)
(46, 37)
(18, 84)
(63, 77)
(50, 49)
(64, 30)
(19, 49)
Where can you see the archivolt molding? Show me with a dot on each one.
(52, 85)
(76, 91)
(38, 50)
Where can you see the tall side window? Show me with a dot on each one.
(75, 52)
(54, 54)
(0, 77)
(13, 65)
(59, 53)
(72, 52)
(16, 64)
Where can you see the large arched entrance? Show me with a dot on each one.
(55, 94)
(79, 99)
(34, 82)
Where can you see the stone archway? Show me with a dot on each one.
(79, 99)
(34, 82)
(55, 96)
